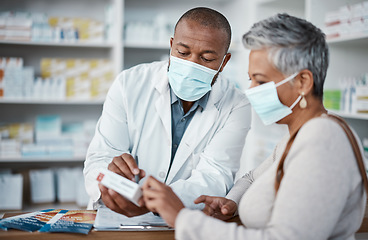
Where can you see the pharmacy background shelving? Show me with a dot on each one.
(76, 159)
(73, 110)
(348, 56)
(59, 44)
(25, 110)
(53, 102)
(358, 116)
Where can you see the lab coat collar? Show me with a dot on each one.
(162, 104)
(161, 81)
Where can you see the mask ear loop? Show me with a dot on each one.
(296, 101)
(287, 79)
(223, 59)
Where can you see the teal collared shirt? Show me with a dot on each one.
(180, 121)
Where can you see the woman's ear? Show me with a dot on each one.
(305, 81)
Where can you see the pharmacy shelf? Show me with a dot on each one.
(282, 3)
(163, 46)
(352, 39)
(52, 102)
(361, 116)
(60, 44)
(265, 1)
(148, 45)
(56, 205)
(46, 159)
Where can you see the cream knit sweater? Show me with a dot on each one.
(321, 195)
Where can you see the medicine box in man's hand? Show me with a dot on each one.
(128, 189)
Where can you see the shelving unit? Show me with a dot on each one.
(32, 52)
(59, 44)
(360, 39)
(96, 102)
(71, 111)
(358, 116)
(77, 159)
(25, 110)
(161, 46)
(348, 56)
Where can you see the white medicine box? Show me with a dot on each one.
(42, 186)
(11, 191)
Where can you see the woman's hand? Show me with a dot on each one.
(160, 198)
(218, 207)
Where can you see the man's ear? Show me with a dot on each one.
(227, 58)
(171, 41)
(305, 81)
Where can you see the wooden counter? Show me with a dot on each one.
(118, 235)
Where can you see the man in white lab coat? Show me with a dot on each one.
(178, 120)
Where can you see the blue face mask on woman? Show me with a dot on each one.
(266, 103)
(190, 81)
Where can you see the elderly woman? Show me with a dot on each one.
(310, 187)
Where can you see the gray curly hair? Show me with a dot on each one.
(293, 44)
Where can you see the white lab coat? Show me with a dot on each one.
(136, 119)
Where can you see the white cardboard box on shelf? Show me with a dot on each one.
(82, 197)
(66, 184)
(42, 186)
(70, 186)
(11, 189)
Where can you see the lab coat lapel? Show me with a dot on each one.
(162, 104)
(201, 123)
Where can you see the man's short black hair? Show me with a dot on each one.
(209, 18)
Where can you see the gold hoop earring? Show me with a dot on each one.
(303, 102)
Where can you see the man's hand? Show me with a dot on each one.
(218, 207)
(119, 204)
(126, 166)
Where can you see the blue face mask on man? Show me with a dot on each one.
(190, 81)
(266, 103)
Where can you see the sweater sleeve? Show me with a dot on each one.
(194, 224)
(243, 183)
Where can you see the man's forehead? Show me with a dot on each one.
(190, 33)
(195, 26)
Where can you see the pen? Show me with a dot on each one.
(145, 227)
(136, 176)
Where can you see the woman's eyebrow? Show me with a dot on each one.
(257, 74)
